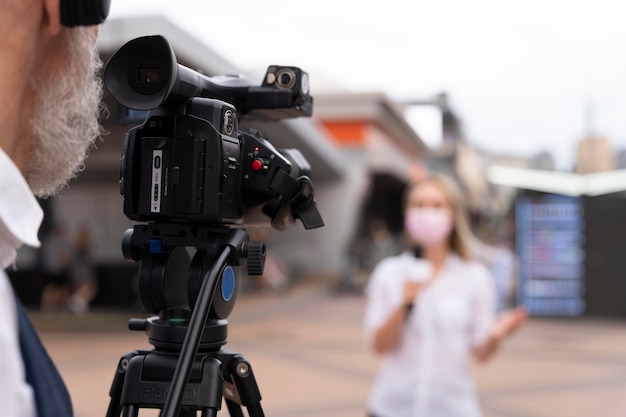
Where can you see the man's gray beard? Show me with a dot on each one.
(65, 122)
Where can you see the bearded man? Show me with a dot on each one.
(50, 102)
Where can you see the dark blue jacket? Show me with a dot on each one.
(51, 395)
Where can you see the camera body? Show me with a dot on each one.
(174, 167)
(188, 162)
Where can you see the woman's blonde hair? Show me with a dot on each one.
(461, 236)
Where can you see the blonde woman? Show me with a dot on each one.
(430, 311)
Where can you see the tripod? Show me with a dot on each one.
(187, 371)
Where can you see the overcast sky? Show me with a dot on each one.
(524, 76)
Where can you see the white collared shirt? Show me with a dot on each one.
(428, 374)
(20, 218)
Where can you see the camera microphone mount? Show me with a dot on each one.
(186, 371)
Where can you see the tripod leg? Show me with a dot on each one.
(255, 410)
(115, 406)
(241, 384)
(208, 412)
(130, 411)
(234, 409)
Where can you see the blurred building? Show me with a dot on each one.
(379, 149)
(594, 154)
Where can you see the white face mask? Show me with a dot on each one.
(428, 226)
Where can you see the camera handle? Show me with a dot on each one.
(295, 200)
(176, 375)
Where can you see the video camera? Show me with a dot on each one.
(188, 162)
(191, 174)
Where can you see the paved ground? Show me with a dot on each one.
(307, 353)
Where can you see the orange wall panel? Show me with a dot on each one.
(347, 133)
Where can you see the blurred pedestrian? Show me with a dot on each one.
(381, 243)
(430, 311)
(56, 262)
(84, 280)
(50, 97)
(502, 265)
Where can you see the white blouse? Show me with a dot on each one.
(428, 374)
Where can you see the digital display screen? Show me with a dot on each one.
(550, 249)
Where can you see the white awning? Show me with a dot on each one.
(559, 182)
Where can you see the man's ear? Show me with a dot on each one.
(52, 16)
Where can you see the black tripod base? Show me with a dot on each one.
(143, 378)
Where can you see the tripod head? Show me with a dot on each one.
(170, 279)
(190, 326)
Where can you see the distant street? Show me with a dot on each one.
(309, 359)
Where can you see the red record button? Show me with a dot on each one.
(257, 165)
